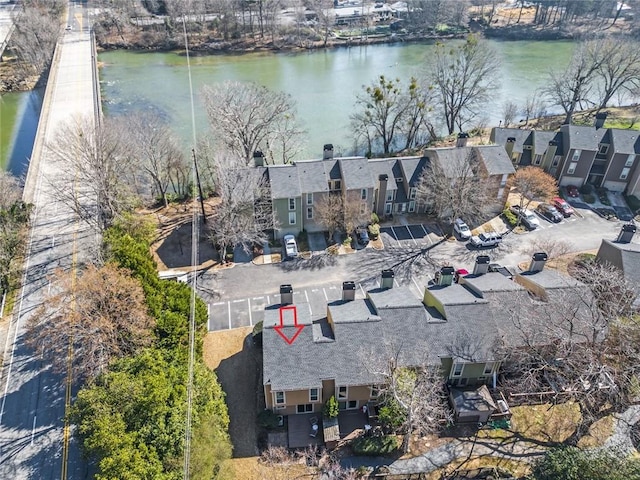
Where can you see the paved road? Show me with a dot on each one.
(237, 296)
(33, 397)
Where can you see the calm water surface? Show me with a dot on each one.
(323, 84)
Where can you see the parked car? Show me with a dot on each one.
(490, 239)
(549, 212)
(290, 246)
(527, 217)
(572, 191)
(462, 229)
(362, 236)
(563, 207)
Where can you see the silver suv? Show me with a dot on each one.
(490, 239)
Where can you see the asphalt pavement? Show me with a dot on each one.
(32, 409)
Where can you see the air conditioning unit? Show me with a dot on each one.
(280, 420)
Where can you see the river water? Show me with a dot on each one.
(323, 83)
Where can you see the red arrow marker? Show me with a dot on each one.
(280, 328)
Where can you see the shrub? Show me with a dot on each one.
(330, 409)
(374, 231)
(587, 188)
(590, 198)
(392, 415)
(509, 217)
(634, 202)
(374, 218)
(267, 419)
(374, 446)
(347, 241)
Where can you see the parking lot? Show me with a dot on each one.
(418, 235)
(246, 312)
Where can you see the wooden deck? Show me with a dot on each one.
(299, 430)
(351, 421)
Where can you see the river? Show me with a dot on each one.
(323, 83)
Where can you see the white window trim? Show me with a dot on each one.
(346, 392)
(292, 217)
(412, 206)
(294, 204)
(453, 370)
(603, 148)
(311, 400)
(625, 173)
(537, 159)
(389, 196)
(372, 389)
(630, 159)
(363, 194)
(388, 208)
(572, 168)
(275, 398)
(413, 192)
(309, 198)
(490, 370)
(576, 155)
(309, 213)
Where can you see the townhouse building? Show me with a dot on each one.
(577, 155)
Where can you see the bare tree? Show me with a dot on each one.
(247, 117)
(413, 399)
(460, 190)
(94, 161)
(571, 88)
(10, 190)
(463, 77)
(102, 316)
(509, 112)
(14, 216)
(159, 160)
(244, 215)
(554, 248)
(326, 19)
(533, 183)
(534, 107)
(328, 212)
(618, 70)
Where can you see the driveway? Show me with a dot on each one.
(317, 241)
(417, 235)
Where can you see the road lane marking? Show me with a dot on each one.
(325, 294)
(33, 430)
(229, 310)
(250, 317)
(53, 241)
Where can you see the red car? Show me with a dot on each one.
(563, 207)
(572, 191)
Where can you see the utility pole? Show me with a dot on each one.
(195, 165)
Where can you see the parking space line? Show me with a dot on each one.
(411, 235)
(362, 290)
(426, 234)
(250, 317)
(229, 310)
(393, 230)
(416, 284)
(238, 300)
(258, 298)
(396, 282)
(268, 301)
(218, 303)
(308, 303)
(325, 294)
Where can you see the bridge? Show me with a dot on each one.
(6, 24)
(35, 441)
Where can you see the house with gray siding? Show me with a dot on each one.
(577, 155)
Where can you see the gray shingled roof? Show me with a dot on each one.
(412, 168)
(284, 181)
(625, 256)
(583, 138)
(383, 166)
(356, 173)
(312, 177)
(541, 139)
(332, 169)
(450, 160)
(495, 159)
(625, 141)
(522, 136)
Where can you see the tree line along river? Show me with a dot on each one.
(323, 84)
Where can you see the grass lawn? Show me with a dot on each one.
(251, 469)
(517, 469)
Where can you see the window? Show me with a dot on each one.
(350, 405)
(309, 213)
(387, 208)
(537, 159)
(488, 368)
(412, 193)
(399, 180)
(624, 174)
(309, 198)
(292, 204)
(305, 408)
(630, 160)
(363, 194)
(389, 196)
(292, 218)
(527, 147)
(334, 185)
(375, 391)
(313, 395)
(412, 206)
(556, 161)
(572, 168)
(457, 369)
(576, 155)
(279, 398)
(515, 157)
(603, 148)
(342, 393)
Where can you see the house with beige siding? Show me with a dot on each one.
(453, 327)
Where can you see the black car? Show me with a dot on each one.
(362, 235)
(549, 212)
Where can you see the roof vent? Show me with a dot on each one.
(537, 262)
(327, 153)
(626, 233)
(482, 265)
(286, 294)
(348, 291)
(511, 140)
(444, 276)
(387, 279)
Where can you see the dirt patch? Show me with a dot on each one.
(251, 468)
(238, 364)
(598, 434)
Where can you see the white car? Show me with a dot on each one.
(290, 246)
(483, 240)
(462, 229)
(530, 220)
